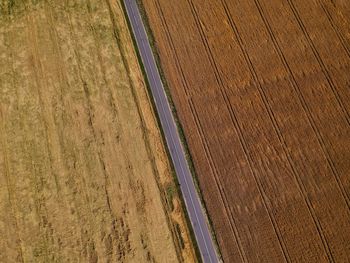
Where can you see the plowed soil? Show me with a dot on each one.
(262, 90)
(83, 172)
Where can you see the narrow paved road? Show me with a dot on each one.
(192, 201)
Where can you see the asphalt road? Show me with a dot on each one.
(190, 195)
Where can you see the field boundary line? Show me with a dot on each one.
(185, 215)
(140, 113)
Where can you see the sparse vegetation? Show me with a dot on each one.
(83, 170)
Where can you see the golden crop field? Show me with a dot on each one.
(84, 176)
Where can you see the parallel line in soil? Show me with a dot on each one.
(40, 205)
(99, 153)
(142, 122)
(12, 198)
(306, 110)
(233, 226)
(82, 183)
(63, 80)
(320, 139)
(218, 182)
(43, 110)
(240, 134)
(11, 192)
(319, 60)
(299, 182)
(301, 98)
(90, 115)
(77, 58)
(335, 28)
(62, 72)
(310, 118)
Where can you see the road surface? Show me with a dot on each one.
(190, 195)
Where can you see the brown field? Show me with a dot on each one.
(84, 176)
(262, 90)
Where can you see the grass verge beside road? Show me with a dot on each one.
(177, 121)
